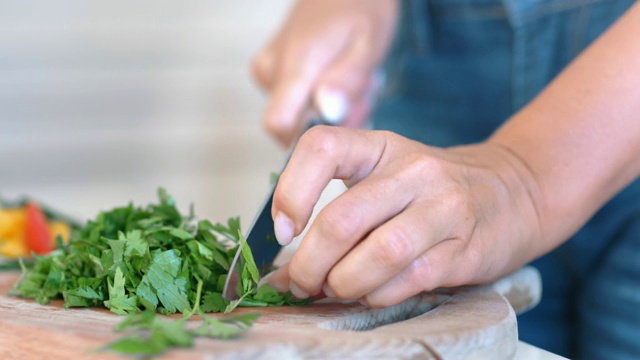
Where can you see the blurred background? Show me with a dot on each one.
(103, 101)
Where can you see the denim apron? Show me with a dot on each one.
(457, 70)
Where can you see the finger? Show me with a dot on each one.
(339, 227)
(394, 245)
(263, 65)
(323, 153)
(279, 278)
(433, 269)
(346, 80)
(286, 105)
(296, 75)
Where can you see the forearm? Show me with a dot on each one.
(579, 140)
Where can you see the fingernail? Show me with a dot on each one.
(297, 292)
(333, 105)
(327, 291)
(283, 228)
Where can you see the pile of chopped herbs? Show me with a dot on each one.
(138, 261)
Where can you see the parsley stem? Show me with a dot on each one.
(196, 304)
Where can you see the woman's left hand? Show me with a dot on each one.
(414, 217)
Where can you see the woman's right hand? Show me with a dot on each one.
(327, 54)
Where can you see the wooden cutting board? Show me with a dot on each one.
(464, 323)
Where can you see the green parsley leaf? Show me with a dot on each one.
(118, 301)
(169, 286)
(227, 327)
(213, 302)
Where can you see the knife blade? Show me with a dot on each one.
(260, 236)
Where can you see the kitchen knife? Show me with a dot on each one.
(260, 236)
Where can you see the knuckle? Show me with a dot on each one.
(338, 224)
(283, 200)
(321, 140)
(274, 127)
(426, 165)
(457, 199)
(339, 287)
(394, 248)
(257, 65)
(390, 139)
(457, 202)
(422, 166)
(258, 75)
(261, 57)
(301, 277)
(419, 275)
(262, 67)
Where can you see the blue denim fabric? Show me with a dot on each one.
(459, 69)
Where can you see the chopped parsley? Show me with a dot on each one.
(139, 261)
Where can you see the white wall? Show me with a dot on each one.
(102, 101)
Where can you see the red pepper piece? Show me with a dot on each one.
(37, 230)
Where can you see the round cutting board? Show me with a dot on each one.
(475, 322)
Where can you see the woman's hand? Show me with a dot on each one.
(328, 51)
(414, 217)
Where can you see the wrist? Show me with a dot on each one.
(513, 176)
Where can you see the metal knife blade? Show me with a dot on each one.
(260, 236)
